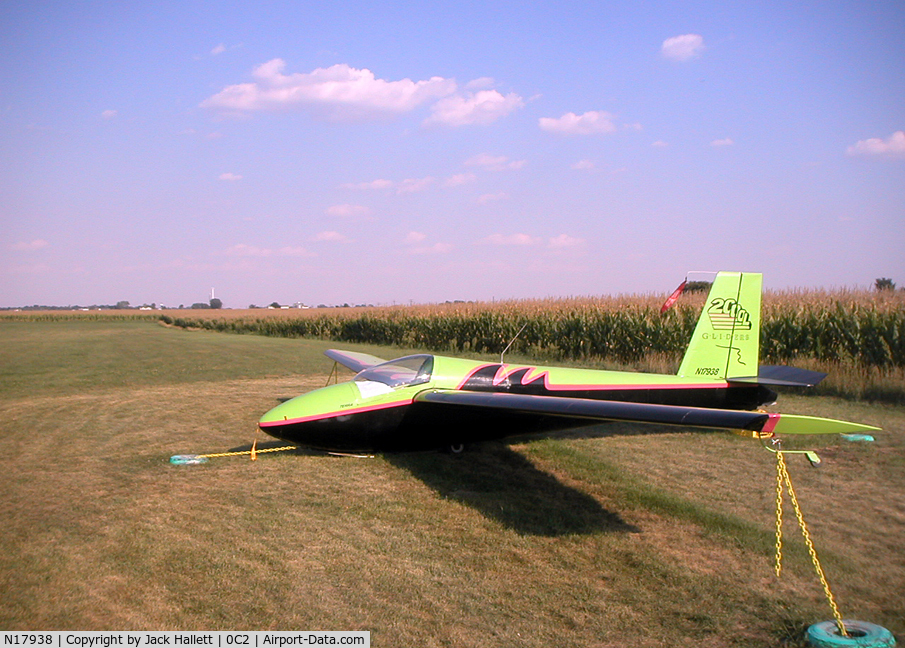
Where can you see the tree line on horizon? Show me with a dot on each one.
(881, 284)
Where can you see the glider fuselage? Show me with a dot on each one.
(427, 401)
(385, 410)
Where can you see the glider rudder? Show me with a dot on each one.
(726, 340)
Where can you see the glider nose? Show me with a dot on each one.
(320, 403)
(338, 417)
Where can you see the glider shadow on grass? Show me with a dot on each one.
(504, 486)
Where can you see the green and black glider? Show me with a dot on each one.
(429, 401)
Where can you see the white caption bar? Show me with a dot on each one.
(143, 639)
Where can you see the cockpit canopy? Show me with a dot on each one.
(410, 370)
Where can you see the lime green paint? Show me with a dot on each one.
(726, 340)
(449, 373)
(797, 424)
(319, 402)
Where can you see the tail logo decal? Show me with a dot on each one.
(728, 315)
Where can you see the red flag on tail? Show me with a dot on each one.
(673, 297)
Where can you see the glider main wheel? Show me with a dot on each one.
(861, 634)
(457, 448)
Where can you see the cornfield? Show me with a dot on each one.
(846, 326)
(858, 337)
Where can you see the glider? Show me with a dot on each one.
(426, 401)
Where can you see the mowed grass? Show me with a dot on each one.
(604, 537)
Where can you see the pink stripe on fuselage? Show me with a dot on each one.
(328, 415)
(533, 374)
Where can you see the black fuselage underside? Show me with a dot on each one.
(423, 426)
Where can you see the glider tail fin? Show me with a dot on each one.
(726, 340)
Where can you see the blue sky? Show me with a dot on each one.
(397, 152)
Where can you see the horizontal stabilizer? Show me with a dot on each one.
(354, 361)
(783, 377)
(796, 424)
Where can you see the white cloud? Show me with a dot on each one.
(590, 123)
(683, 48)
(584, 165)
(480, 84)
(487, 160)
(330, 237)
(489, 198)
(494, 162)
(660, 144)
(414, 238)
(220, 49)
(373, 184)
(29, 246)
(409, 185)
(243, 250)
(482, 107)
(565, 241)
(348, 211)
(292, 251)
(510, 240)
(229, 177)
(722, 142)
(436, 248)
(414, 185)
(338, 92)
(556, 244)
(109, 114)
(893, 146)
(460, 179)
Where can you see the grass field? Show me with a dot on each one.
(605, 537)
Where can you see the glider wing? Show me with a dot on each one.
(354, 361)
(604, 410)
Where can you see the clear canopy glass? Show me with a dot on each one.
(410, 370)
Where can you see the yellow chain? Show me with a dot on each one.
(780, 469)
(246, 452)
(782, 474)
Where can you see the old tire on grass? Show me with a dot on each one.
(861, 635)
